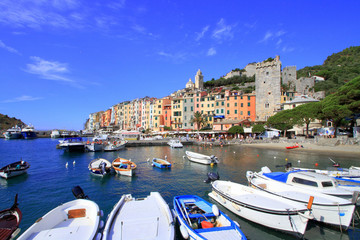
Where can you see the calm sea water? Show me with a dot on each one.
(49, 183)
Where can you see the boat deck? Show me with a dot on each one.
(144, 218)
(218, 233)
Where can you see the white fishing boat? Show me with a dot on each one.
(110, 146)
(349, 173)
(261, 207)
(201, 158)
(124, 166)
(310, 181)
(13, 133)
(198, 219)
(74, 220)
(174, 143)
(325, 208)
(100, 166)
(55, 134)
(142, 218)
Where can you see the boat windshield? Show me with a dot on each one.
(327, 184)
(304, 182)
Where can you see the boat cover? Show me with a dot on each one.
(279, 176)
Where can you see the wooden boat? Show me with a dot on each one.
(74, 220)
(201, 158)
(142, 218)
(14, 169)
(114, 145)
(175, 144)
(325, 208)
(161, 163)
(261, 207)
(100, 166)
(9, 221)
(123, 166)
(291, 147)
(198, 219)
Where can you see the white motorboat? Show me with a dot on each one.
(201, 158)
(94, 146)
(100, 166)
(74, 220)
(55, 134)
(348, 173)
(72, 144)
(110, 146)
(174, 143)
(310, 181)
(199, 219)
(13, 133)
(261, 207)
(124, 166)
(142, 218)
(325, 208)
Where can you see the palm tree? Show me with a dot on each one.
(199, 119)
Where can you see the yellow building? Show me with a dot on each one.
(177, 113)
(207, 106)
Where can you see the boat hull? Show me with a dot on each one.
(146, 218)
(29, 135)
(94, 147)
(124, 167)
(9, 222)
(13, 135)
(200, 158)
(161, 163)
(95, 167)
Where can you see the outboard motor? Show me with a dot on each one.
(214, 159)
(102, 166)
(212, 177)
(288, 166)
(79, 193)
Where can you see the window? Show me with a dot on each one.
(241, 112)
(222, 110)
(267, 105)
(327, 184)
(197, 105)
(210, 118)
(228, 104)
(222, 103)
(235, 97)
(227, 98)
(248, 98)
(304, 182)
(217, 111)
(242, 105)
(248, 113)
(217, 103)
(208, 105)
(184, 109)
(191, 100)
(228, 111)
(235, 111)
(185, 100)
(248, 104)
(235, 104)
(191, 109)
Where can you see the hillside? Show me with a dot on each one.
(337, 69)
(7, 122)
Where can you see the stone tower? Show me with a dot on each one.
(199, 80)
(267, 88)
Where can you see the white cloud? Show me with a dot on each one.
(176, 57)
(202, 33)
(50, 70)
(9, 49)
(222, 31)
(275, 36)
(287, 49)
(211, 52)
(279, 42)
(23, 98)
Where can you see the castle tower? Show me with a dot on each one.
(268, 88)
(199, 80)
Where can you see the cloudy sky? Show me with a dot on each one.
(63, 59)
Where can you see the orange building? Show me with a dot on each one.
(239, 106)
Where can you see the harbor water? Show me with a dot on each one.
(49, 182)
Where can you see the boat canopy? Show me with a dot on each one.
(279, 176)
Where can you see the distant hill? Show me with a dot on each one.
(337, 69)
(7, 122)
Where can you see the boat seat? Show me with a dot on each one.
(262, 185)
(77, 213)
(5, 233)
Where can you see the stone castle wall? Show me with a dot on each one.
(289, 75)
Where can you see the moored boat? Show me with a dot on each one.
(14, 169)
(77, 219)
(198, 219)
(325, 208)
(72, 144)
(28, 132)
(161, 163)
(96, 146)
(143, 218)
(100, 166)
(292, 147)
(124, 166)
(55, 134)
(201, 158)
(175, 143)
(114, 145)
(261, 207)
(9, 221)
(13, 133)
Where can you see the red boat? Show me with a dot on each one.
(291, 147)
(9, 221)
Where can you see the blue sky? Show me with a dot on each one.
(63, 59)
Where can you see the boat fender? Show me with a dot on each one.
(215, 210)
(101, 213)
(98, 236)
(249, 174)
(184, 232)
(101, 224)
(311, 200)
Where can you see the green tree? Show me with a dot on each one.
(283, 120)
(258, 128)
(236, 130)
(307, 113)
(199, 119)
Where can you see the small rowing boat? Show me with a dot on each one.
(9, 221)
(161, 163)
(124, 166)
(14, 169)
(201, 158)
(100, 166)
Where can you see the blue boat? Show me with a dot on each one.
(28, 132)
(198, 219)
(160, 163)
